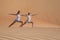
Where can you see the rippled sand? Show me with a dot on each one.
(29, 33)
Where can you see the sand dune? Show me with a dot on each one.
(47, 10)
(46, 23)
(28, 33)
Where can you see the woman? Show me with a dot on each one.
(18, 16)
(28, 20)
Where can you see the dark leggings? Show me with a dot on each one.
(15, 22)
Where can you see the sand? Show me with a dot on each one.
(46, 22)
(29, 33)
(47, 10)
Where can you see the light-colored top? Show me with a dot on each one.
(18, 17)
(28, 18)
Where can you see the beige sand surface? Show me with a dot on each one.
(47, 10)
(29, 33)
(46, 23)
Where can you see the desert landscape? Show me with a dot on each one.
(46, 22)
(28, 33)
